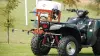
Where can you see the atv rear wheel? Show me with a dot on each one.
(37, 47)
(96, 47)
(68, 46)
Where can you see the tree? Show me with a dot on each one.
(97, 2)
(11, 5)
(70, 3)
(95, 6)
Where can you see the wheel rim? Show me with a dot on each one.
(71, 48)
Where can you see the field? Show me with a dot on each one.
(16, 49)
(20, 41)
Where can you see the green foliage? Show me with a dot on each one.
(10, 23)
(70, 3)
(11, 5)
(97, 1)
(92, 6)
(95, 6)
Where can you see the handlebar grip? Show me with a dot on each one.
(32, 12)
(32, 20)
(71, 10)
(68, 9)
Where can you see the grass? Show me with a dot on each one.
(13, 49)
(19, 49)
(20, 41)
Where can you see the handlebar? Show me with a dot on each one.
(75, 10)
(84, 12)
(71, 10)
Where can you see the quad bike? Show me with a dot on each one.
(67, 37)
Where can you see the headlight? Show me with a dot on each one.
(91, 30)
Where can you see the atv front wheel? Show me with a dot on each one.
(96, 47)
(68, 46)
(37, 47)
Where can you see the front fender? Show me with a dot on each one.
(55, 27)
(58, 26)
(66, 29)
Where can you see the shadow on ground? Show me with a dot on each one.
(85, 54)
(52, 54)
(80, 54)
